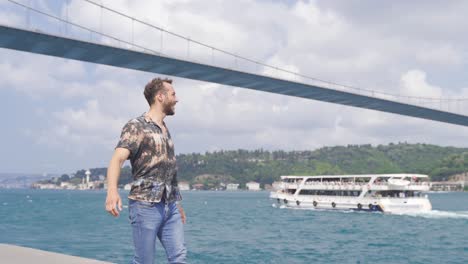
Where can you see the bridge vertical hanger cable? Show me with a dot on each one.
(307, 79)
(66, 18)
(28, 16)
(188, 48)
(331, 85)
(212, 56)
(162, 32)
(60, 30)
(100, 19)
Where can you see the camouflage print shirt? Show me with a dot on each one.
(153, 161)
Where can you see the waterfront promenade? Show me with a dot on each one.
(23, 255)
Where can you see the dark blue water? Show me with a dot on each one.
(241, 227)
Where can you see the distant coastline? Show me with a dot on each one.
(215, 170)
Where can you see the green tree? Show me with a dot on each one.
(267, 166)
(64, 178)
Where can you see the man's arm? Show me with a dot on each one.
(182, 213)
(175, 183)
(113, 201)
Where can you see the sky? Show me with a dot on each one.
(61, 115)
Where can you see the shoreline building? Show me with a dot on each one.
(44, 186)
(253, 186)
(447, 186)
(184, 186)
(232, 187)
(85, 185)
(67, 186)
(462, 178)
(198, 186)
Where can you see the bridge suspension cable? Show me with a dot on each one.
(256, 61)
(427, 102)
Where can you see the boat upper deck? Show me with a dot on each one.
(348, 176)
(381, 182)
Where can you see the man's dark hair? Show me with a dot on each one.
(154, 87)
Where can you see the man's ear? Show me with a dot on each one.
(159, 97)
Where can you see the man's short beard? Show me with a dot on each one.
(168, 109)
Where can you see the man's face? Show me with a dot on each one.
(170, 99)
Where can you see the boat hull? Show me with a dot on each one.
(386, 205)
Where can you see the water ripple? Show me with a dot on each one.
(241, 227)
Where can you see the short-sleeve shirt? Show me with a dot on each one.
(153, 161)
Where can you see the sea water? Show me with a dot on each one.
(240, 227)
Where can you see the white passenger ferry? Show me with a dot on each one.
(389, 193)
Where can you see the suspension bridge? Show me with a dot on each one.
(48, 33)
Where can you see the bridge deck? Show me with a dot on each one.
(41, 43)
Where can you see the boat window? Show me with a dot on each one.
(292, 180)
(331, 179)
(381, 180)
(397, 194)
(418, 180)
(347, 179)
(363, 179)
(329, 193)
(314, 180)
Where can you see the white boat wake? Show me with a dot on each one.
(436, 214)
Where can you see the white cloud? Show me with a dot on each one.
(93, 102)
(414, 84)
(79, 131)
(444, 55)
(9, 17)
(40, 76)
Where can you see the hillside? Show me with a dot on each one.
(265, 167)
(241, 166)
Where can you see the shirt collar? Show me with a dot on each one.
(149, 120)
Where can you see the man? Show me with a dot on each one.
(154, 208)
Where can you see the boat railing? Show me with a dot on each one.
(411, 183)
(423, 196)
(290, 185)
(337, 183)
(361, 185)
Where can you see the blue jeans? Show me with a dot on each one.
(151, 220)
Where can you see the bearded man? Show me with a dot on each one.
(154, 198)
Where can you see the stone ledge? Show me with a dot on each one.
(23, 255)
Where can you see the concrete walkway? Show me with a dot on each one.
(21, 255)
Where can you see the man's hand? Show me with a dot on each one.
(113, 173)
(113, 202)
(182, 214)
